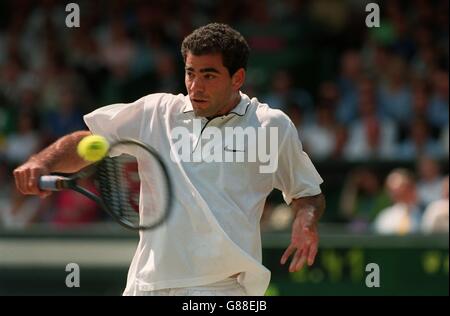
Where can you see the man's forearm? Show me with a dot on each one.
(310, 209)
(61, 156)
(305, 237)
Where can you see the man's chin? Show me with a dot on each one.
(201, 112)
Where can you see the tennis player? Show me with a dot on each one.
(211, 244)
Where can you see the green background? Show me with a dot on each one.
(411, 265)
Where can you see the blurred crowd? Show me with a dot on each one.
(355, 93)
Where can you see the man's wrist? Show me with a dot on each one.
(308, 210)
(43, 163)
(306, 218)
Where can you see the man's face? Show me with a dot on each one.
(210, 87)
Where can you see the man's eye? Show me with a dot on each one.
(209, 77)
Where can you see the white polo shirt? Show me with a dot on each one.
(213, 231)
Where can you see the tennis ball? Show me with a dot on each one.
(93, 148)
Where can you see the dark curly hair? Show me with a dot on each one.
(218, 38)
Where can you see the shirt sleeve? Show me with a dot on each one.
(116, 121)
(296, 175)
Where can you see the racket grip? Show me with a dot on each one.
(53, 183)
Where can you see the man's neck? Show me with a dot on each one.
(235, 101)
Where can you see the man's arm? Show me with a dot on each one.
(305, 238)
(61, 156)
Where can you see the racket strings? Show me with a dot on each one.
(119, 184)
(116, 192)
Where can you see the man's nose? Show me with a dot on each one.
(197, 85)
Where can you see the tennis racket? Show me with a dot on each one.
(132, 184)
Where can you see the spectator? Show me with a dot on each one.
(395, 93)
(283, 92)
(404, 215)
(419, 142)
(421, 103)
(341, 138)
(425, 60)
(429, 185)
(438, 109)
(436, 215)
(362, 198)
(11, 74)
(118, 50)
(319, 138)
(371, 136)
(67, 117)
(323, 136)
(22, 143)
(348, 82)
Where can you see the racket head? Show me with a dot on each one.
(134, 185)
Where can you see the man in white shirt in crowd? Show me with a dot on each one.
(404, 215)
(436, 216)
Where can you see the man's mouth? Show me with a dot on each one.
(198, 100)
(199, 103)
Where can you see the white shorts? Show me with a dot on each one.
(227, 287)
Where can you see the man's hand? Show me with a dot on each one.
(61, 156)
(305, 238)
(27, 178)
(304, 242)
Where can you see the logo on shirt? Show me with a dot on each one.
(232, 150)
(227, 144)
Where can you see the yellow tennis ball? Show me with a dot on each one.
(93, 148)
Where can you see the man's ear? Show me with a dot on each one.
(237, 80)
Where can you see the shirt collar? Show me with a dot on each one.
(240, 109)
